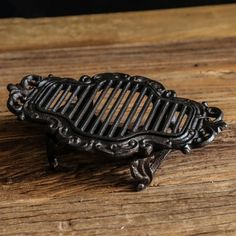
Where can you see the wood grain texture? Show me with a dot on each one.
(162, 26)
(191, 50)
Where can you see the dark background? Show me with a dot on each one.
(35, 8)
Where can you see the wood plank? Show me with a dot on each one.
(162, 26)
(191, 50)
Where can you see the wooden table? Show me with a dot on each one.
(191, 50)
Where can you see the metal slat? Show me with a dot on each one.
(179, 119)
(43, 91)
(151, 115)
(141, 113)
(101, 96)
(122, 111)
(70, 100)
(133, 110)
(46, 95)
(79, 101)
(85, 108)
(113, 110)
(54, 96)
(102, 111)
(160, 116)
(61, 99)
(169, 117)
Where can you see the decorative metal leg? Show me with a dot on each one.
(143, 170)
(52, 147)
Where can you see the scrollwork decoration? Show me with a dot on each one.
(146, 147)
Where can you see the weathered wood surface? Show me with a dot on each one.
(191, 50)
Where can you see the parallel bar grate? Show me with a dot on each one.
(127, 108)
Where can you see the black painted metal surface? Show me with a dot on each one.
(115, 114)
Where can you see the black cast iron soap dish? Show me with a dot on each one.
(115, 114)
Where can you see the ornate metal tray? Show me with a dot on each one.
(115, 114)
